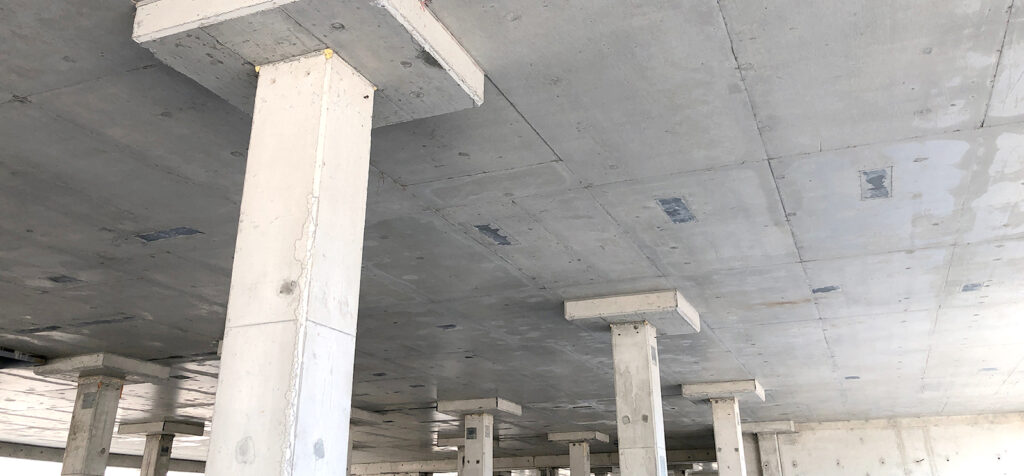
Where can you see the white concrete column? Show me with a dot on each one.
(479, 450)
(461, 462)
(284, 392)
(579, 458)
(768, 447)
(638, 399)
(725, 414)
(156, 457)
(633, 319)
(92, 426)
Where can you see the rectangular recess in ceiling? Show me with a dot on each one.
(876, 183)
(165, 234)
(676, 210)
(494, 233)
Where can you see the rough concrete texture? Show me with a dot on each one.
(936, 446)
(595, 110)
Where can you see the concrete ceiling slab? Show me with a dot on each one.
(825, 77)
(1006, 105)
(605, 70)
(41, 53)
(745, 228)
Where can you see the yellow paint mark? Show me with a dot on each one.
(257, 68)
(328, 53)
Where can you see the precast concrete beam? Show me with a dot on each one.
(727, 389)
(574, 436)
(162, 427)
(492, 406)
(419, 68)
(103, 363)
(780, 426)
(638, 408)
(667, 311)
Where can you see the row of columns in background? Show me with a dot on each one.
(284, 392)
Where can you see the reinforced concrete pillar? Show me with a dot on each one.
(725, 413)
(284, 391)
(725, 416)
(101, 378)
(635, 320)
(579, 449)
(768, 443)
(156, 457)
(479, 449)
(477, 455)
(92, 426)
(285, 387)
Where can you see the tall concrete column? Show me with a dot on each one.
(156, 457)
(479, 450)
(477, 455)
(101, 378)
(725, 416)
(285, 384)
(633, 319)
(92, 426)
(579, 449)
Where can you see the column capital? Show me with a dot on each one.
(667, 311)
(728, 389)
(162, 427)
(781, 426)
(492, 405)
(104, 364)
(578, 436)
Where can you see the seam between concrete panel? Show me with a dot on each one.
(999, 61)
(743, 82)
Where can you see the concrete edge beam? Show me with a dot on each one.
(479, 405)
(522, 462)
(668, 311)
(56, 455)
(782, 426)
(105, 364)
(728, 389)
(162, 427)
(578, 436)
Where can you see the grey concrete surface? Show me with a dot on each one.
(761, 117)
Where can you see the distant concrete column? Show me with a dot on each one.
(479, 450)
(768, 447)
(477, 458)
(768, 443)
(92, 426)
(460, 464)
(725, 416)
(100, 378)
(579, 458)
(156, 458)
(725, 413)
(637, 376)
(579, 449)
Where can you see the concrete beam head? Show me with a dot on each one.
(162, 427)
(668, 311)
(450, 442)
(578, 436)
(492, 406)
(419, 68)
(729, 389)
(782, 426)
(104, 364)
